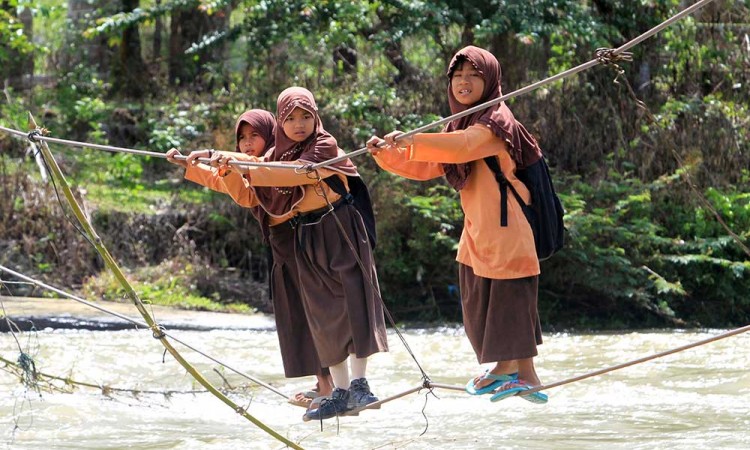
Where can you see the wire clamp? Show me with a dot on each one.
(607, 56)
(33, 135)
(158, 331)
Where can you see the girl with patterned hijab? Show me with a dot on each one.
(498, 266)
(342, 302)
(254, 134)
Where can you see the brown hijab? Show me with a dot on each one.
(317, 148)
(522, 145)
(262, 122)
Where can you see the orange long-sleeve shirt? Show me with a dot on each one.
(240, 188)
(490, 250)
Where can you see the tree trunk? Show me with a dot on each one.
(129, 72)
(156, 48)
(188, 26)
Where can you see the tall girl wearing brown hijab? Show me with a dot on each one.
(498, 266)
(254, 133)
(340, 299)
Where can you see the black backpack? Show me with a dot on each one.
(545, 214)
(358, 196)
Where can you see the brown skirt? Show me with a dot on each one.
(343, 309)
(500, 316)
(298, 353)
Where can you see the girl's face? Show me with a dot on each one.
(467, 84)
(250, 141)
(299, 125)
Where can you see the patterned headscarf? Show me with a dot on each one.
(317, 148)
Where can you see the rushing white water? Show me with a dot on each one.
(699, 398)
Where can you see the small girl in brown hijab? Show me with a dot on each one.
(498, 266)
(341, 300)
(254, 133)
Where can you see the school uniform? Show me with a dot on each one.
(298, 353)
(498, 266)
(343, 311)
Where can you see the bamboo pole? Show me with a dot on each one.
(120, 276)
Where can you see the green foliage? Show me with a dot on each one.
(175, 126)
(621, 246)
(13, 113)
(79, 105)
(15, 42)
(642, 250)
(418, 235)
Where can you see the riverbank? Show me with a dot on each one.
(41, 313)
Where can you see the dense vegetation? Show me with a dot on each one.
(653, 191)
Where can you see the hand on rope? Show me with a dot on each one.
(393, 140)
(195, 157)
(172, 155)
(224, 164)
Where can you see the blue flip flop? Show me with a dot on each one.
(534, 397)
(498, 380)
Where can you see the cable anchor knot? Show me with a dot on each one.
(33, 135)
(607, 56)
(158, 331)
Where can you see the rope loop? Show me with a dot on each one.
(607, 56)
(158, 331)
(33, 135)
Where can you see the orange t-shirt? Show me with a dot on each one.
(490, 250)
(242, 192)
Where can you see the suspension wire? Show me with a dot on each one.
(603, 55)
(144, 325)
(141, 324)
(706, 341)
(63, 209)
(157, 331)
(595, 373)
(688, 179)
(39, 135)
(26, 364)
(368, 275)
(725, 335)
(105, 389)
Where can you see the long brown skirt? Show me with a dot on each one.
(343, 309)
(500, 316)
(298, 353)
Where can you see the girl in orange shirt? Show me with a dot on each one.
(338, 281)
(254, 133)
(498, 266)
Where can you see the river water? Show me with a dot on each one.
(699, 398)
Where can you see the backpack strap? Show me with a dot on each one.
(359, 197)
(338, 187)
(504, 184)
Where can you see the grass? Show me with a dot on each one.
(140, 200)
(171, 283)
